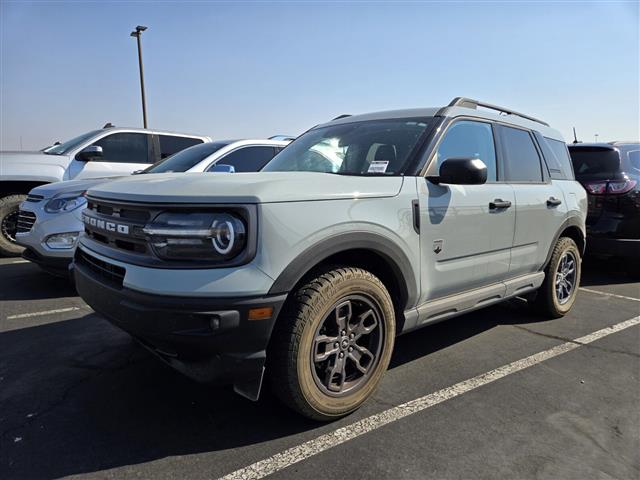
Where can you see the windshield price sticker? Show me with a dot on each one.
(378, 166)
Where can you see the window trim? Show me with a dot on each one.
(434, 149)
(544, 173)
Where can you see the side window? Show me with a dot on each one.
(522, 162)
(248, 159)
(170, 144)
(125, 148)
(561, 154)
(468, 139)
(634, 159)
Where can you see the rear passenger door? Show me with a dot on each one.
(540, 206)
(248, 159)
(465, 237)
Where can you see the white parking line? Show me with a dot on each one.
(46, 312)
(318, 445)
(610, 294)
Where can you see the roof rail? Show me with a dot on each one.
(470, 103)
(283, 138)
(344, 115)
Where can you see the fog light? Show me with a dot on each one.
(263, 313)
(62, 241)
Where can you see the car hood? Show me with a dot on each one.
(33, 159)
(51, 189)
(264, 187)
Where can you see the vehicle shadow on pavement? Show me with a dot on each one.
(25, 281)
(598, 271)
(80, 396)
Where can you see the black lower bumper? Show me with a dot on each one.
(614, 247)
(207, 339)
(53, 265)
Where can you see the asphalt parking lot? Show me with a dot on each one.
(79, 398)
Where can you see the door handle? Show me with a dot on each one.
(553, 202)
(499, 203)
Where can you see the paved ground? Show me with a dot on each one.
(77, 397)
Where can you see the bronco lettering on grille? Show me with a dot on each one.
(104, 225)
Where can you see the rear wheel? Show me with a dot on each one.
(9, 207)
(558, 292)
(332, 343)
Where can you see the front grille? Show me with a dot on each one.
(34, 198)
(109, 273)
(133, 218)
(25, 221)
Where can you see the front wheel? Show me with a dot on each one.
(558, 292)
(332, 343)
(9, 207)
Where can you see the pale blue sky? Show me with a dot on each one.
(246, 69)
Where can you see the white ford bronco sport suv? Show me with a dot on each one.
(363, 228)
(107, 152)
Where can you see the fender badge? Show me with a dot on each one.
(437, 246)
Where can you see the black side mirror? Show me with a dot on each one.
(92, 152)
(461, 171)
(222, 168)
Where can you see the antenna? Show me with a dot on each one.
(575, 137)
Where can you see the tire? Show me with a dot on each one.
(309, 318)
(8, 217)
(548, 300)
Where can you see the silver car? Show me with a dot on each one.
(363, 228)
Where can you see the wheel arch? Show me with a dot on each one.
(370, 251)
(572, 228)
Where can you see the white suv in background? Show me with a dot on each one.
(99, 153)
(50, 220)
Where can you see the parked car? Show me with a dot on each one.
(106, 152)
(610, 173)
(309, 272)
(50, 219)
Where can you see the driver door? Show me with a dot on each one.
(122, 154)
(465, 240)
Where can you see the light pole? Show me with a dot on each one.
(596, 135)
(138, 33)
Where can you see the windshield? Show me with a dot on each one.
(69, 145)
(185, 159)
(594, 161)
(375, 147)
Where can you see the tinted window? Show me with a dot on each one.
(634, 159)
(594, 161)
(346, 148)
(467, 139)
(125, 148)
(170, 145)
(185, 159)
(248, 159)
(559, 159)
(522, 162)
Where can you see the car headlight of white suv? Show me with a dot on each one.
(66, 202)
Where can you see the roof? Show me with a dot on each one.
(152, 130)
(458, 107)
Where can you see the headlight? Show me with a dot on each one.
(65, 202)
(193, 236)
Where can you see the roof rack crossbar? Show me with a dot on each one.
(470, 103)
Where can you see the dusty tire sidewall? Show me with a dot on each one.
(322, 403)
(8, 205)
(566, 246)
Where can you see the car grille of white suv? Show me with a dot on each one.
(25, 221)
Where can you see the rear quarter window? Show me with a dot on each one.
(558, 159)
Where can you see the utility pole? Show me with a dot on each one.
(596, 135)
(138, 33)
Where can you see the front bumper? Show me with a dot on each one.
(208, 339)
(48, 224)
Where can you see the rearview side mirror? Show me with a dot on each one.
(92, 152)
(222, 168)
(461, 171)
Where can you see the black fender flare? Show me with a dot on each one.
(569, 222)
(383, 246)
